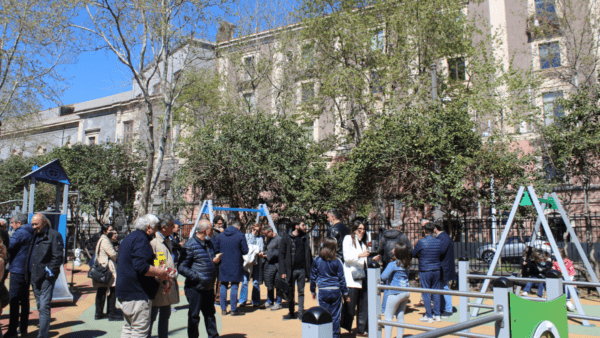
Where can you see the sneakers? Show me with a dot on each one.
(446, 314)
(276, 307)
(426, 319)
(241, 304)
(437, 318)
(524, 294)
(570, 306)
(266, 306)
(236, 313)
(289, 316)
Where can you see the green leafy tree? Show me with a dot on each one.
(572, 143)
(103, 175)
(11, 183)
(247, 159)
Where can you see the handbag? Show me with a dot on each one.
(283, 287)
(347, 316)
(359, 274)
(98, 273)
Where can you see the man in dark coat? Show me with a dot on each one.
(337, 230)
(295, 261)
(45, 260)
(136, 285)
(219, 226)
(448, 267)
(18, 250)
(232, 245)
(271, 267)
(198, 264)
(389, 239)
(429, 252)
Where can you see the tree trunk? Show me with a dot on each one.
(147, 187)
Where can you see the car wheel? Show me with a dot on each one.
(487, 256)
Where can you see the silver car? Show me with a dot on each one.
(513, 248)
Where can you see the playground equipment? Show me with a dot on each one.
(530, 198)
(514, 316)
(51, 173)
(208, 208)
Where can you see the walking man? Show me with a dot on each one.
(18, 251)
(232, 244)
(137, 285)
(428, 250)
(295, 260)
(198, 264)
(271, 267)
(45, 259)
(448, 267)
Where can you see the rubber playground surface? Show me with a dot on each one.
(77, 320)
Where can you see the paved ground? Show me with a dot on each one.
(69, 321)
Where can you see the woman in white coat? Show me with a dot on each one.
(356, 252)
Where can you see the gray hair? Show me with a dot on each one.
(3, 221)
(142, 222)
(203, 225)
(165, 219)
(396, 223)
(267, 228)
(20, 218)
(335, 213)
(236, 224)
(44, 219)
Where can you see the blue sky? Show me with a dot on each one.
(100, 74)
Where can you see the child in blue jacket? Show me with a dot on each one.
(396, 274)
(327, 273)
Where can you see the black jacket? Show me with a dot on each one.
(196, 264)
(339, 231)
(447, 263)
(287, 250)
(389, 239)
(48, 252)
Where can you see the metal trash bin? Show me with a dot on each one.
(317, 323)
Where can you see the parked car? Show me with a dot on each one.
(513, 248)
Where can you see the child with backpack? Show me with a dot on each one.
(327, 273)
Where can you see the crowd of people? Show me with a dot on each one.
(143, 270)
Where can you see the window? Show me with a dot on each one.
(127, 132)
(376, 87)
(309, 129)
(549, 55)
(248, 63)
(456, 69)
(156, 88)
(378, 40)
(308, 55)
(91, 140)
(308, 91)
(545, 9)
(250, 101)
(553, 111)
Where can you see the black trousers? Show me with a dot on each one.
(19, 297)
(298, 277)
(201, 301)
(101, 298)
(359, 299)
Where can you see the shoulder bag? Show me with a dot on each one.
(98, 273)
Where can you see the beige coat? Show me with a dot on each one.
(106, 255)
(172, 297)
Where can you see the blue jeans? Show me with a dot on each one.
(445, 300)
(163, 320)
(233, 293)
(255, 290)
(331, 300)
(395, 307)
(540, 290)
(201, 301)
(431, 280)
(43, 297)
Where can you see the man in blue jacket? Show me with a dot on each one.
(232, 245)
(18, 286)
(198, 264)
(448, 267)
(429, 251)
(136, 283)
(45, 259)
